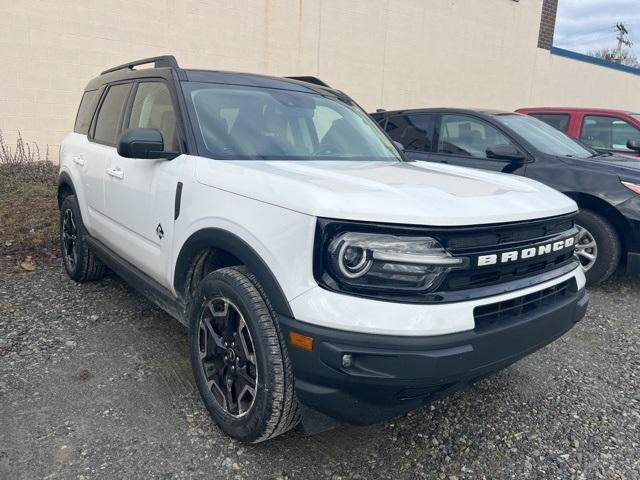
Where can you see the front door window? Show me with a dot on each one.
(608, 133)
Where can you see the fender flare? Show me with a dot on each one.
(218, 238)
(604, 208)
(64, 180)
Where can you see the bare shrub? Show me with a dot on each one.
(25, 162)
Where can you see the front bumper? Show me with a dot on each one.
(631, 211)
(633, 247)
(633, 263)
(391, 375)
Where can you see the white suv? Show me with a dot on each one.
(321, 275)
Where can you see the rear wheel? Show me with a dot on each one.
(79, 260)
(239, 359)
(597, 246)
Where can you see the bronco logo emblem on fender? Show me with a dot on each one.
(525, 253)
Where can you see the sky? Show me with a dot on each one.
(584, 25)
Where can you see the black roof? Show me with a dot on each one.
(481, 111)
(166, 66)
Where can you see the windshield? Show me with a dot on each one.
(240, 122)
(544, 137)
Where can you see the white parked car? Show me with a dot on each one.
(321, 275)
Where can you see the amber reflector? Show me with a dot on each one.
(301, 341)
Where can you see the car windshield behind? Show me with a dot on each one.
(243, 122)
(544, 137)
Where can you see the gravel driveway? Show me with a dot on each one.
(95, 383)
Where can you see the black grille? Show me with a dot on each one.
(483, 277)
(501, 313)
(500, 235)
(497, 238)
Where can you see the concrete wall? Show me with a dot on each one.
(385, 53)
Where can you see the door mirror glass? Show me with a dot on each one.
(633, 145)
(505, 152)
(141, 143)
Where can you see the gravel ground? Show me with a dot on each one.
(95, 383)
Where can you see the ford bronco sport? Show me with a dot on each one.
(322, 276)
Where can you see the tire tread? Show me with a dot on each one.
(288, 416)
(283, 411)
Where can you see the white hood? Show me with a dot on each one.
(417, 193)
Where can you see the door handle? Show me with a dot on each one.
(78, 159)
(115, 172)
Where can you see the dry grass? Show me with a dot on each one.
(28, 206)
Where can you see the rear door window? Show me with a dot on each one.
(559, 121)
(108, 120)
(85, 112)
(607, 133)
(414, 131)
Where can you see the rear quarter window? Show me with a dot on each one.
(559, 121)
(85, 112)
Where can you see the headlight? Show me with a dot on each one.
(377, 261)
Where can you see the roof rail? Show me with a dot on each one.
(314, 80)
(161, 61)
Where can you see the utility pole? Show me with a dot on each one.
(622, 40)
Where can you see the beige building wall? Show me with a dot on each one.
(384, 53)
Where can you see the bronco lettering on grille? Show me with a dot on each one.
(525, 253)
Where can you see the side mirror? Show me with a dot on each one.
(633, 145)
(141, 143)
(399, 146)
(505, 152)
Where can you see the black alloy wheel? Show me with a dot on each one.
(80, 262)
(239, 358)
(228, 356)
(69, 239)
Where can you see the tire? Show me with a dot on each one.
(259, 401)
(607, 249)
(79, 260)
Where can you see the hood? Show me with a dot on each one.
(616, 164)
(416, 193)
(621, 161)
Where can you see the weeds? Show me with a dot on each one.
(28, 205)
(25, 162)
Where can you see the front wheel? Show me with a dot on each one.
(239, 360)
(597, 246)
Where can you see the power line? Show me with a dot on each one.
(581, 40)
(623, 39)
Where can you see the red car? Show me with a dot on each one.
(614, 131)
